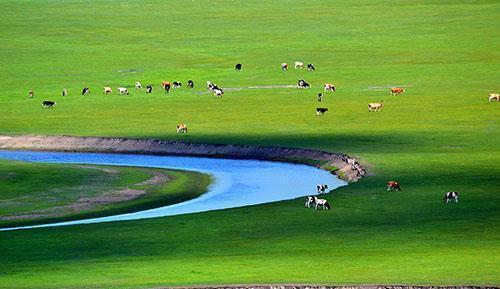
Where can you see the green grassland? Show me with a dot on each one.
(46, 191)
(441, 135)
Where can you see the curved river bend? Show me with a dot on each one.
(235, 183)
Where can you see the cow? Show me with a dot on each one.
(375, 106)
(494, 96)
(166, 85)
(177, 84)
(85, 91)
(310, 200)
(149, 88)
(212, 86)
(310, 67)
(329, 87)
(302, 84)
(320, 97)
(451, 197)
(123, 91)
(182, 128)
(237, 67)
(218, 92)
(48, 104)
(321, 188)
(138, 84)
(299, 64)
(190, 84)
(107, 90)
(393, 186)
(396, 90)
(284, 66)
(64, 92)
(322, 203)
(321, 110)
(31, 94)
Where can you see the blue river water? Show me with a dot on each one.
(235, 183)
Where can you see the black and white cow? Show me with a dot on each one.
(310, 200)
(64, 92)
(322, 203)
(320, 97)
(138, 85)
(218, 92)
(238, 67)
(451, 197)
(85, 91)
(190, 84)
(123, 91)
(321, 188)
(310, 67)
(284, 66)
(149, 88)
(48, 103)
(321, 110)
(302, 84)
(177, 84)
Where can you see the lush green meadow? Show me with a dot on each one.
(441, 135)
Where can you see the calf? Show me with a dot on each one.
(393, 186)
(177, 84)
(494, 96)
(284, 66)
(310, 67)
(48, 104)
(237, 67)
(138, 84)
(375, 106)
(123, 91)
(64, 92)
(190, 84)
(329, 87)
(182, 128)
(396, 90)
(107, 90)
(149, 88)
(85, 91)
(451, 197)
(299, 65)
(321, 110)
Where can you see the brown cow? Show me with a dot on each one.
(393, 186)
(166, 85)
(397, 90)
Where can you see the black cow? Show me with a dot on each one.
(320, 97)
(310, 67)
(149, 88)
(303, 84)
(48, 103)
(85, 91)
(321, 110)
(190, 84)
(177, 84)
(238, 66)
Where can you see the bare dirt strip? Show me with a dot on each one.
(345, 167)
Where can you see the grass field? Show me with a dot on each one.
(441, 135)
(32, 193)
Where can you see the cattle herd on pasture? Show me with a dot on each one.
(311, 201)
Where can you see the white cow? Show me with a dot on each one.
(375, 106)
(138, 84)
(494, 96)
(123, 90)
(299, 64)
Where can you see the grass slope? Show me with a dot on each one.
(441, 135)
(34, 188)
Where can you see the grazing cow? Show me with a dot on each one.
(107, 90)
(322, 203)
(302, 84)
(149, 88)
(177, 84)
(190, 84)
(299, 65)
(64, 92)
(284, 66)
(48, 103)
(166, 85)
(320, 97)
(123, 91)
(321, 110)
(237, 67)
(310, 67)
(329, 87)
(218, 92)
(494, 96)
(182, 128)
(310, 200)
(31, 94)
(321, 188)
(375, 106)
(451, 197)
(85, 91)
(212, 86)
(396, 90)
(138, 84)
(393, 186)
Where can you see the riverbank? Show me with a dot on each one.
(345, 167)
